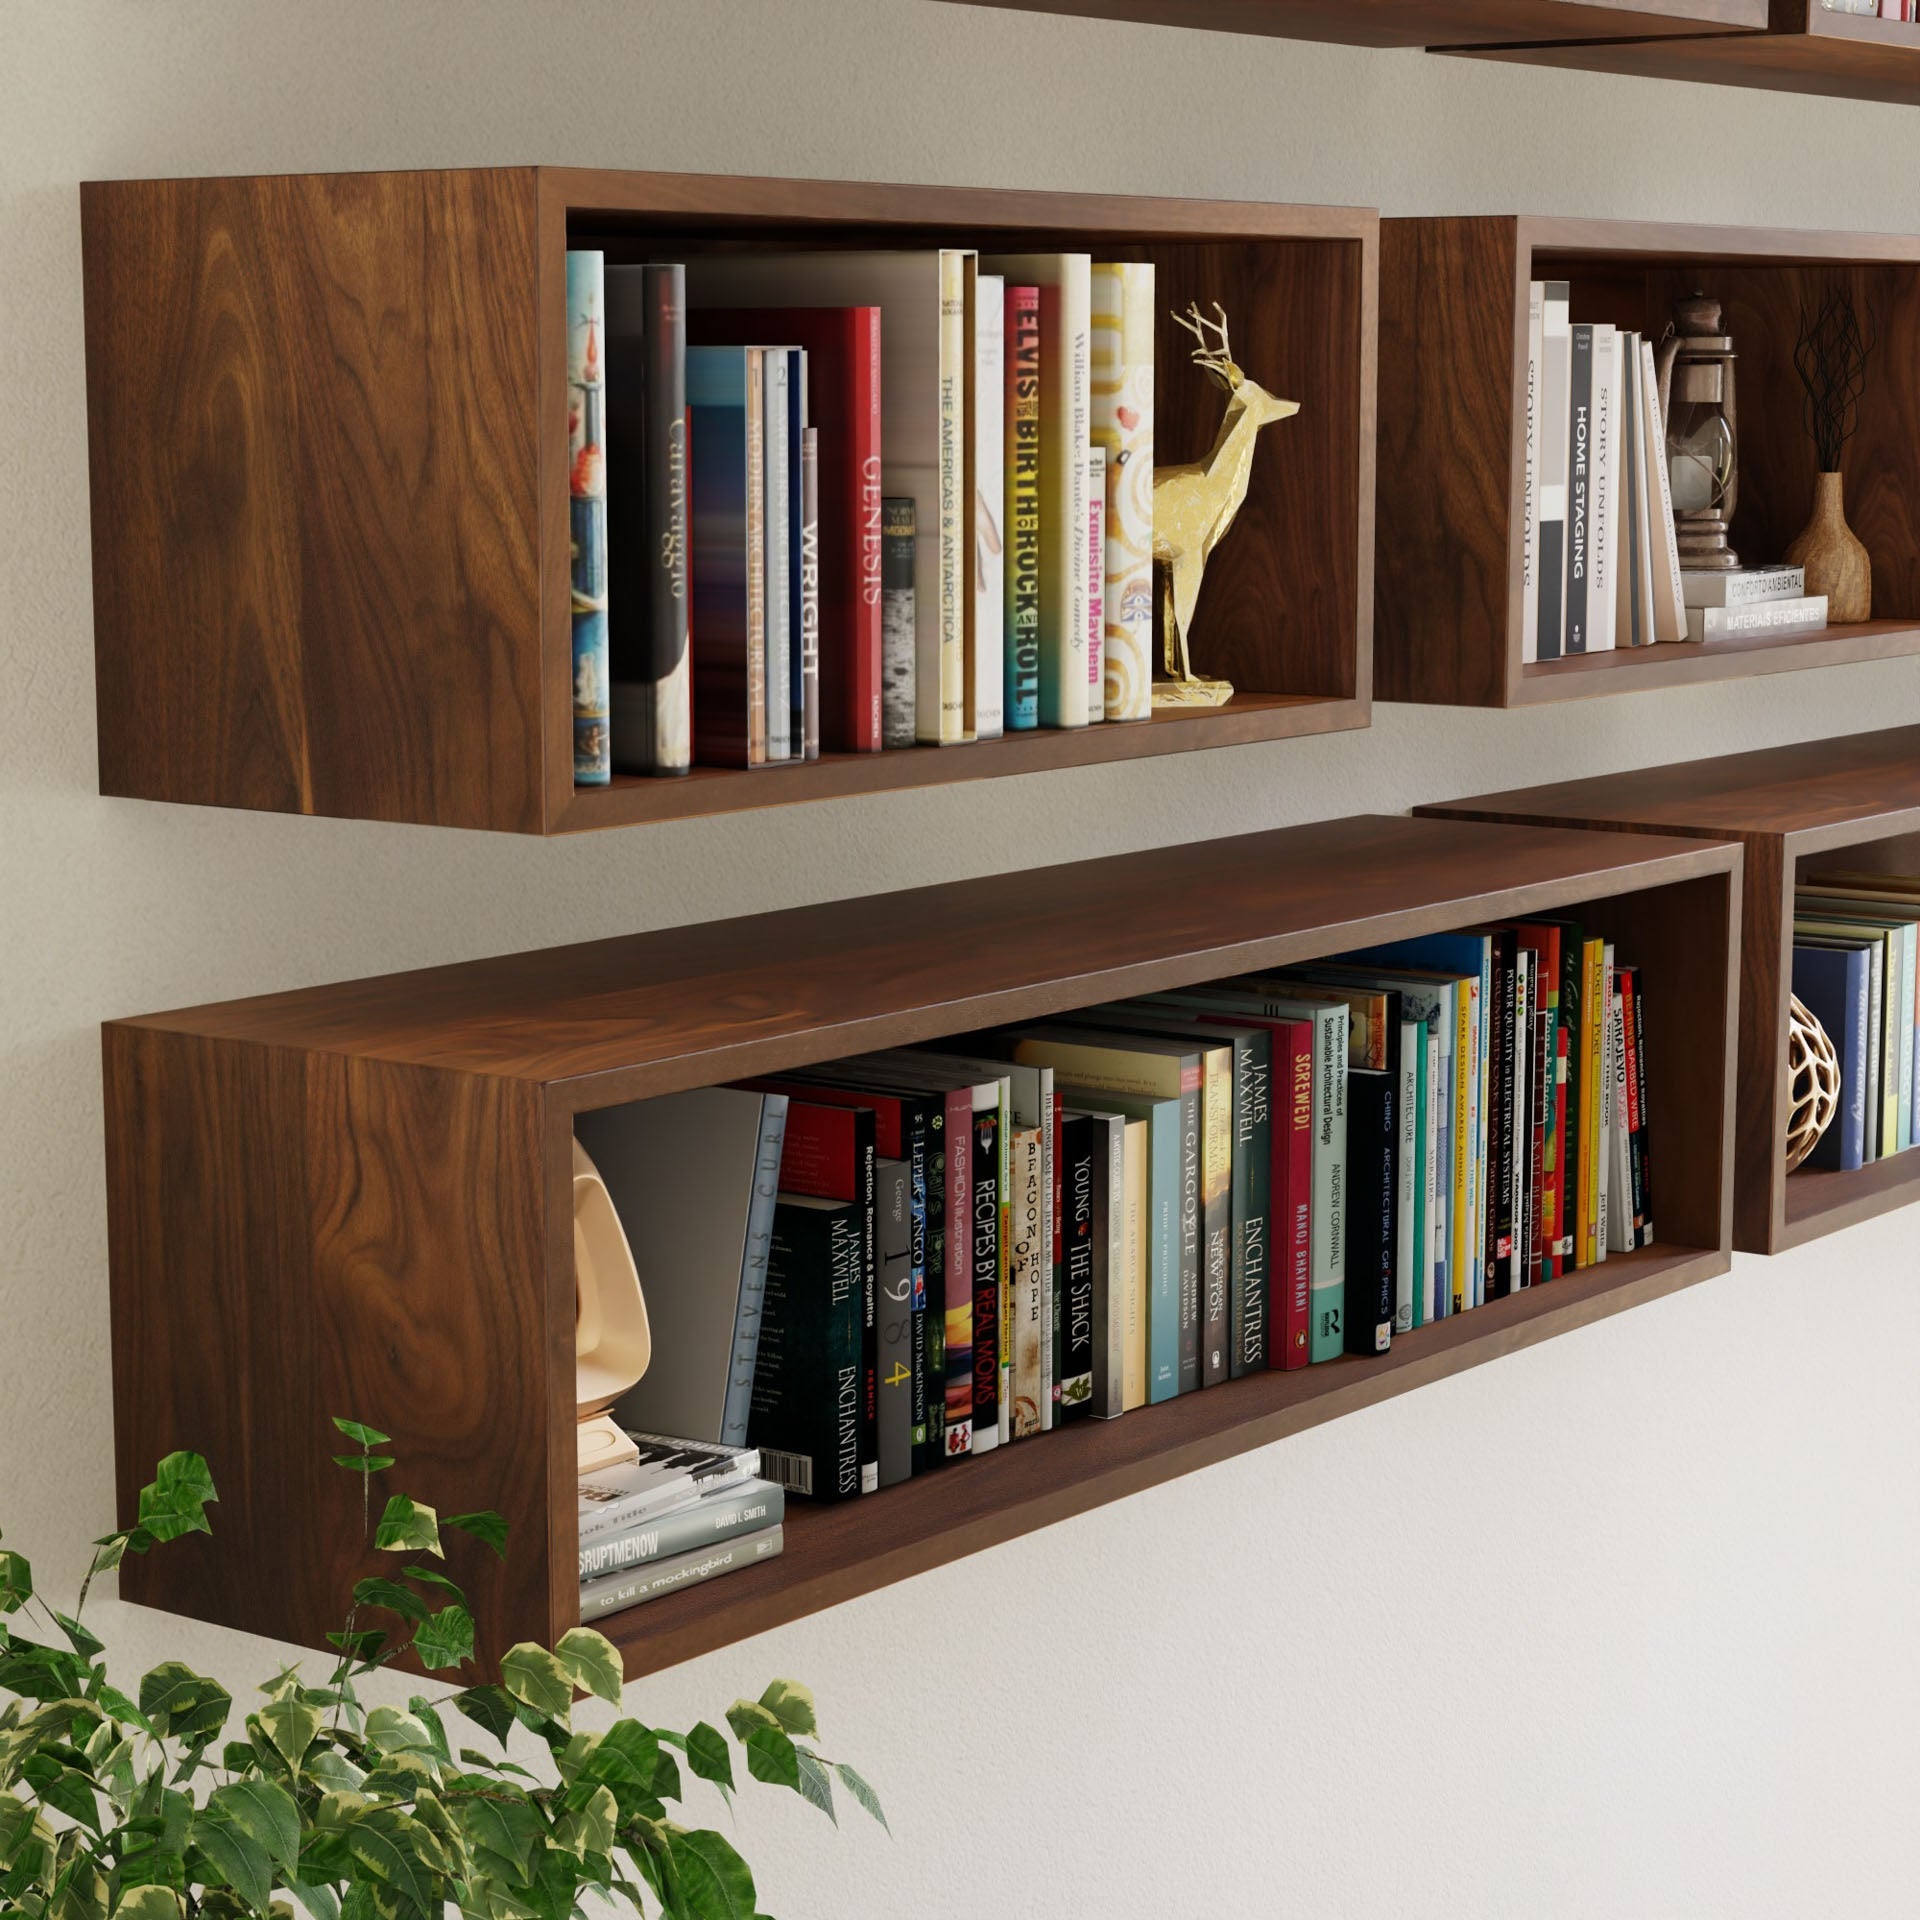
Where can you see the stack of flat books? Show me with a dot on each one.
(1752, 603)
(683, 1512)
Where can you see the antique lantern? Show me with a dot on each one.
(1703, 450)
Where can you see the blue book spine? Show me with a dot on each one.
(1832, 983)
(587, 488)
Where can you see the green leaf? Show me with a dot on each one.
(184, 1705)
(772, 1757)
(488, 1708)
(78, 1638)
(364, 1643)
(391, 1730)
(362, 1435)
(407, 1526)
(16, 1581)
(232, 1856)
(111, 1700)
(378, 1591)
(108, 1553)
(428, 1715)
(330, 1770)
(501, 1824)
(364, 1463)
(149, 1903)
(592, 1662)
(20, 1826)
(35, 1672)
(433, 1577)
(176, 1502)
(815, 1785)
(487, 1527)
(535, 1676)
(709, 1755)
(589, 1827)
(792, 1705)
(320, 1901)
(80, 1893)
(444, 1639)
(266, 1814)
(394, 1850)
(744, 1715)
(713, 1880)
(290, 1727)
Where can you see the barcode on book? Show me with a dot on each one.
(794, 1471)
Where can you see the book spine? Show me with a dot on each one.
(1290, 1338)
(985, 1165)
(1096, 584)
(1121, 389)
(757, 746)
(893, 1204)
(717, 473)
(777, 476)
(797, 664)
(1329, 1183)
(1029, 1296)
(1216, 1214)
(1555, 374)
(1540, 1097)
(1643, 1184)
(810, 594)
(1519, 1118)
(807, 1387)
(1602, 519)
(1630, 1048)
(930, 1355)
(1805, 615)
(853, 691)
(899, 618)
(1193, 1254)
(1052, 1359)
(1163, 1254)
(1077, 1287)
(959, 1317)
(716, 1517)
(867, 1198)
(1579, 487)
(1559, 1246)
(587, 487)
(736, 1408)
(1133, 1388)
(670, 664)
(1250, 1281)
(940, 668)
(1530, 486)
(1666, 537)
(1408, 1208)
(986, 667)
(1063, 518)
(1022, 664)
(1497, 1241)
(1370, 1221)
(1109, 1267)
(1631, 493)
(625, 1590)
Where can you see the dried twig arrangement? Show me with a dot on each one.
(1831, 359)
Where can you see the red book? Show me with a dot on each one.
(1289, 1310)
(843, 405)
(1561, 1241)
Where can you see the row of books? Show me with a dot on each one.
(855, 501)
(1885, 9)
(869, 1268)
(1856, 967)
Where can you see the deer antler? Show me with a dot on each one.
(1217, 361)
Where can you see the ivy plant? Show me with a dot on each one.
(142, 1807)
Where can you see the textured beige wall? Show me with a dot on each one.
(1623, 1626)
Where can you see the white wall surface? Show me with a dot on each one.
(1623, 1626)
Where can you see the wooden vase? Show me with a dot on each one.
(1836, 562)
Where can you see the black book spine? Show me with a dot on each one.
(1579, 487)
(1371, 1223)
(805, 1417)
(1252, 1199)
(668, 669)
(1077, 1148)
(866, 1197)
(986, 1279)
(931, 1345)
(1191, 1252)
(894, 1206)
(1541, 1118)
(1637, 1140)
(1499, 1249)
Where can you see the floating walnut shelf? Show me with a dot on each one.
(330, 517)
(1452, 465)
(359, 1197)
(1825, 804)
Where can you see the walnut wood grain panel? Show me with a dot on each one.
(295, 1235)
(1452, 297)
(836, 1553)
(1421, 23)
(311, 419)
(618, 1019)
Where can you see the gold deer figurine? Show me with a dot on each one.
(1194, 505)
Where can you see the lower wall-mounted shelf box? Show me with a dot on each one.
(357, 1198)
(1815, 807)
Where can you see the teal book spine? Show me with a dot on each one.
(1418, 1239)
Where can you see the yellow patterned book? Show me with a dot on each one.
(1133, 1388)
(1122, 394)
(1593, 1001)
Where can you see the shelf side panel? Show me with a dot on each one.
(311, 416)
(294, 1236)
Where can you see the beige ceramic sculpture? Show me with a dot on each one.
(1194, 505)
(1813, 1074)
(612, 1341)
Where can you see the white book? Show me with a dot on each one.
(1066, 300)
(1406, 1252)
(1669, 621)
(1556, 380)
(1530, 485)
(1122, 386)
(1029, 1296)
(1743, 587)
(1096, 583)
(922, 434)
(777, 451)
(1134, 1378)
(1648, 555)
(1781, 618)
(1604, 492)
(985, 701)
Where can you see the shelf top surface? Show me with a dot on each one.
(654, 1012)
(1685, 242)
(1811, 786)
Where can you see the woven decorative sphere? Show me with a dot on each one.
(1813, 1072)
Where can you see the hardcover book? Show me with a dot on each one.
(1030, 1287)
(1121, 391)
(808, 713)
(844, 395)
(1096, 583)
(1743, 586)
(1579, 487)
(1110, 1276)
(893, 1184)
(719, 1516)
(587, 488)
(629, 1589)
(1530, 484)
(1372, 1133)
(668, 1474)
(693, 1177)
(1556, 379)
(1022, 473)
(899, 621)
(1082, 1235)
(1781, 618)
(777, 452)
(985, 664)
(1832, 983)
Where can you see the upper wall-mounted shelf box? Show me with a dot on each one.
(1807, 48)
(359, 1197)
(1427, 23)
(1453, 334)
(328, 433)
(1817, 807)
